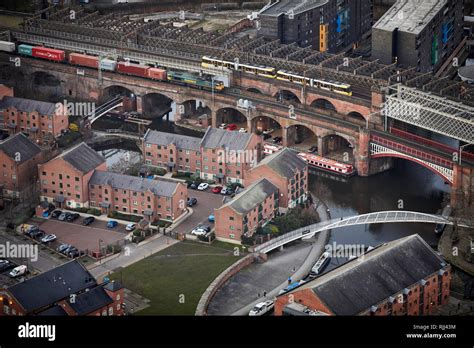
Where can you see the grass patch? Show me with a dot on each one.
(182, 269)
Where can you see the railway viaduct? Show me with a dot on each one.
(326, 115)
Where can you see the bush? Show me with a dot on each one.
(126, 217)
(295, 219)
(249, 241)
(138, 239)
(95, 212)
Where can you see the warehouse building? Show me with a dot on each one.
(421, 34)
(325, 25)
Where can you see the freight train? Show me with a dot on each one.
(270, 72)
(122, 67)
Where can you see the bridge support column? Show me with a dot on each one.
(321, 149)
(214, 119)
(250, 126)
(363, 155)
(180, 111)
(139, 104)
(463, 187)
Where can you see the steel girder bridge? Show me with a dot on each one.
(381, 217)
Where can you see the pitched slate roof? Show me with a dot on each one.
(251, 197)
(164, 139)
(383, 272)
(285, 162)
(160, 187)
(220, 138)
(297, 6)
(52, 286)
(19, 143)
(55, 311)
(83, 158)
(90, 301)
(28, 105)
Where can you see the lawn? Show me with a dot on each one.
(175, 278)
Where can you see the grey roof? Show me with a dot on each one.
(55, 311)
(410, 15)
(113, 286)
(383, 272)
(285, 162)
(180, 141)
(28, 105)
(83, 158)
(90, 301)
(52, 286)
(161, 187)
(297, 6)
(251, 197)
(219, 138)
(19, 143)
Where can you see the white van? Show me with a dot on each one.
(18, 271)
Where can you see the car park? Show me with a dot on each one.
(48, 238)
(130, 227)
(55, 214)
(192, 201)
(72, 217)
(112, 224)
(88, 220)
(262, 308)
(203, 187)
(18, 271)
(217, 189)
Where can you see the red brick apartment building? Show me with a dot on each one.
(402, 277)
(67, 290)
(64, 180)
(156, 199)
(250, 209)
(286, 171)
(39, 120)
(220, 156)
(19, 158)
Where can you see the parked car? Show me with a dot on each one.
(31, 230)
(243, 130)
(48, 238)
(313, 149)
(223, 126)
(232, 127)
(112, 224)
(262, 308)
(55, 214)
(203, 187)
(192, 202)
(227, 191)
(211, 218)
(198, 232)
(268, 131)
(72, 252)
(63, 247)
(50, 209)
(130, 227)
(88, 220)
(277, 140)
(18, 271)
(193, 186)
(64, 216)
(205, 228)
(72, 217)
(5, 265)
(217, 189)
(37, 234)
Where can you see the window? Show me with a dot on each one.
(231, 218)
(76, 178)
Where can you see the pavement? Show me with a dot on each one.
(130, 254)
(247, 287)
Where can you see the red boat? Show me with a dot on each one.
(326, 164)
(48, 53)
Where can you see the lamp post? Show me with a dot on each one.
(212, 86)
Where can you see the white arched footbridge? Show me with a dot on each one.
(381, 217)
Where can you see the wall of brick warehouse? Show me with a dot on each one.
(304, 297)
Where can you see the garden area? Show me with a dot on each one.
(175, 278)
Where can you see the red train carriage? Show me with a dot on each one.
(48, 53)
(133, 69)
(84, 60)
(157, 74)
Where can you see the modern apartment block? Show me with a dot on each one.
(420, 34)
(402, 277)
(325, 25)
(221, 156)
(155, 199)
(64, 180)
(41, 121)
(250, 209)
